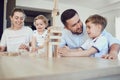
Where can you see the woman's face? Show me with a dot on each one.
(17, 20)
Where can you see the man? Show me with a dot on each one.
(74, 35)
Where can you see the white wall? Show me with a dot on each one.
(111, 12)
(40, 4)
(111, 15)
(48, 5)
(117, 29)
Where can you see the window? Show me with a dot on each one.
(117, 27)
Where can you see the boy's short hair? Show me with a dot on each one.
(43, 18)
(97, 19)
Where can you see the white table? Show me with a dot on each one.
(65, 68)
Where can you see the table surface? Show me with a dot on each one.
(64, 68)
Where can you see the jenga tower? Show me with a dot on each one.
(54, 34)
(54, 37)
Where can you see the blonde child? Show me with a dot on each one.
(40, 34)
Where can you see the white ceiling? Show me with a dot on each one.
(94, 4)
(103, 5)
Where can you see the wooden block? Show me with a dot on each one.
(55, 31)
(13, 54)
(50, 51)
(3, 53)
(54, 37)
(54, 43)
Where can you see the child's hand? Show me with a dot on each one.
(41, 46)
(34, 50)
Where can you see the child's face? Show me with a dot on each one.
(93, 30)
(40, 25)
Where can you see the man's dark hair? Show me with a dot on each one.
(67, 14)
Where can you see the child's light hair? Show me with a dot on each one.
(43, 18)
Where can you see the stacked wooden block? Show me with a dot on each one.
(54, 37)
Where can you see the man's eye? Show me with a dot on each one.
(73, 25)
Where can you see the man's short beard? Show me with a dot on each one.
(77, 33)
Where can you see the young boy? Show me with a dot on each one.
(97, 45)
(17, 36)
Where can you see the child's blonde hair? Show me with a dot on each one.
(42, 17)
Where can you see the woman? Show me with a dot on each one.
(17, 36)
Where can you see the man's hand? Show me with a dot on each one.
(64, 51)
(110, 56)
(113, 52)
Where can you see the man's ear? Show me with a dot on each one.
(66, 27)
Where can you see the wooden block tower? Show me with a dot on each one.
(54, 34)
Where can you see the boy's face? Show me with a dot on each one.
(93, 30)
(40, 25)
